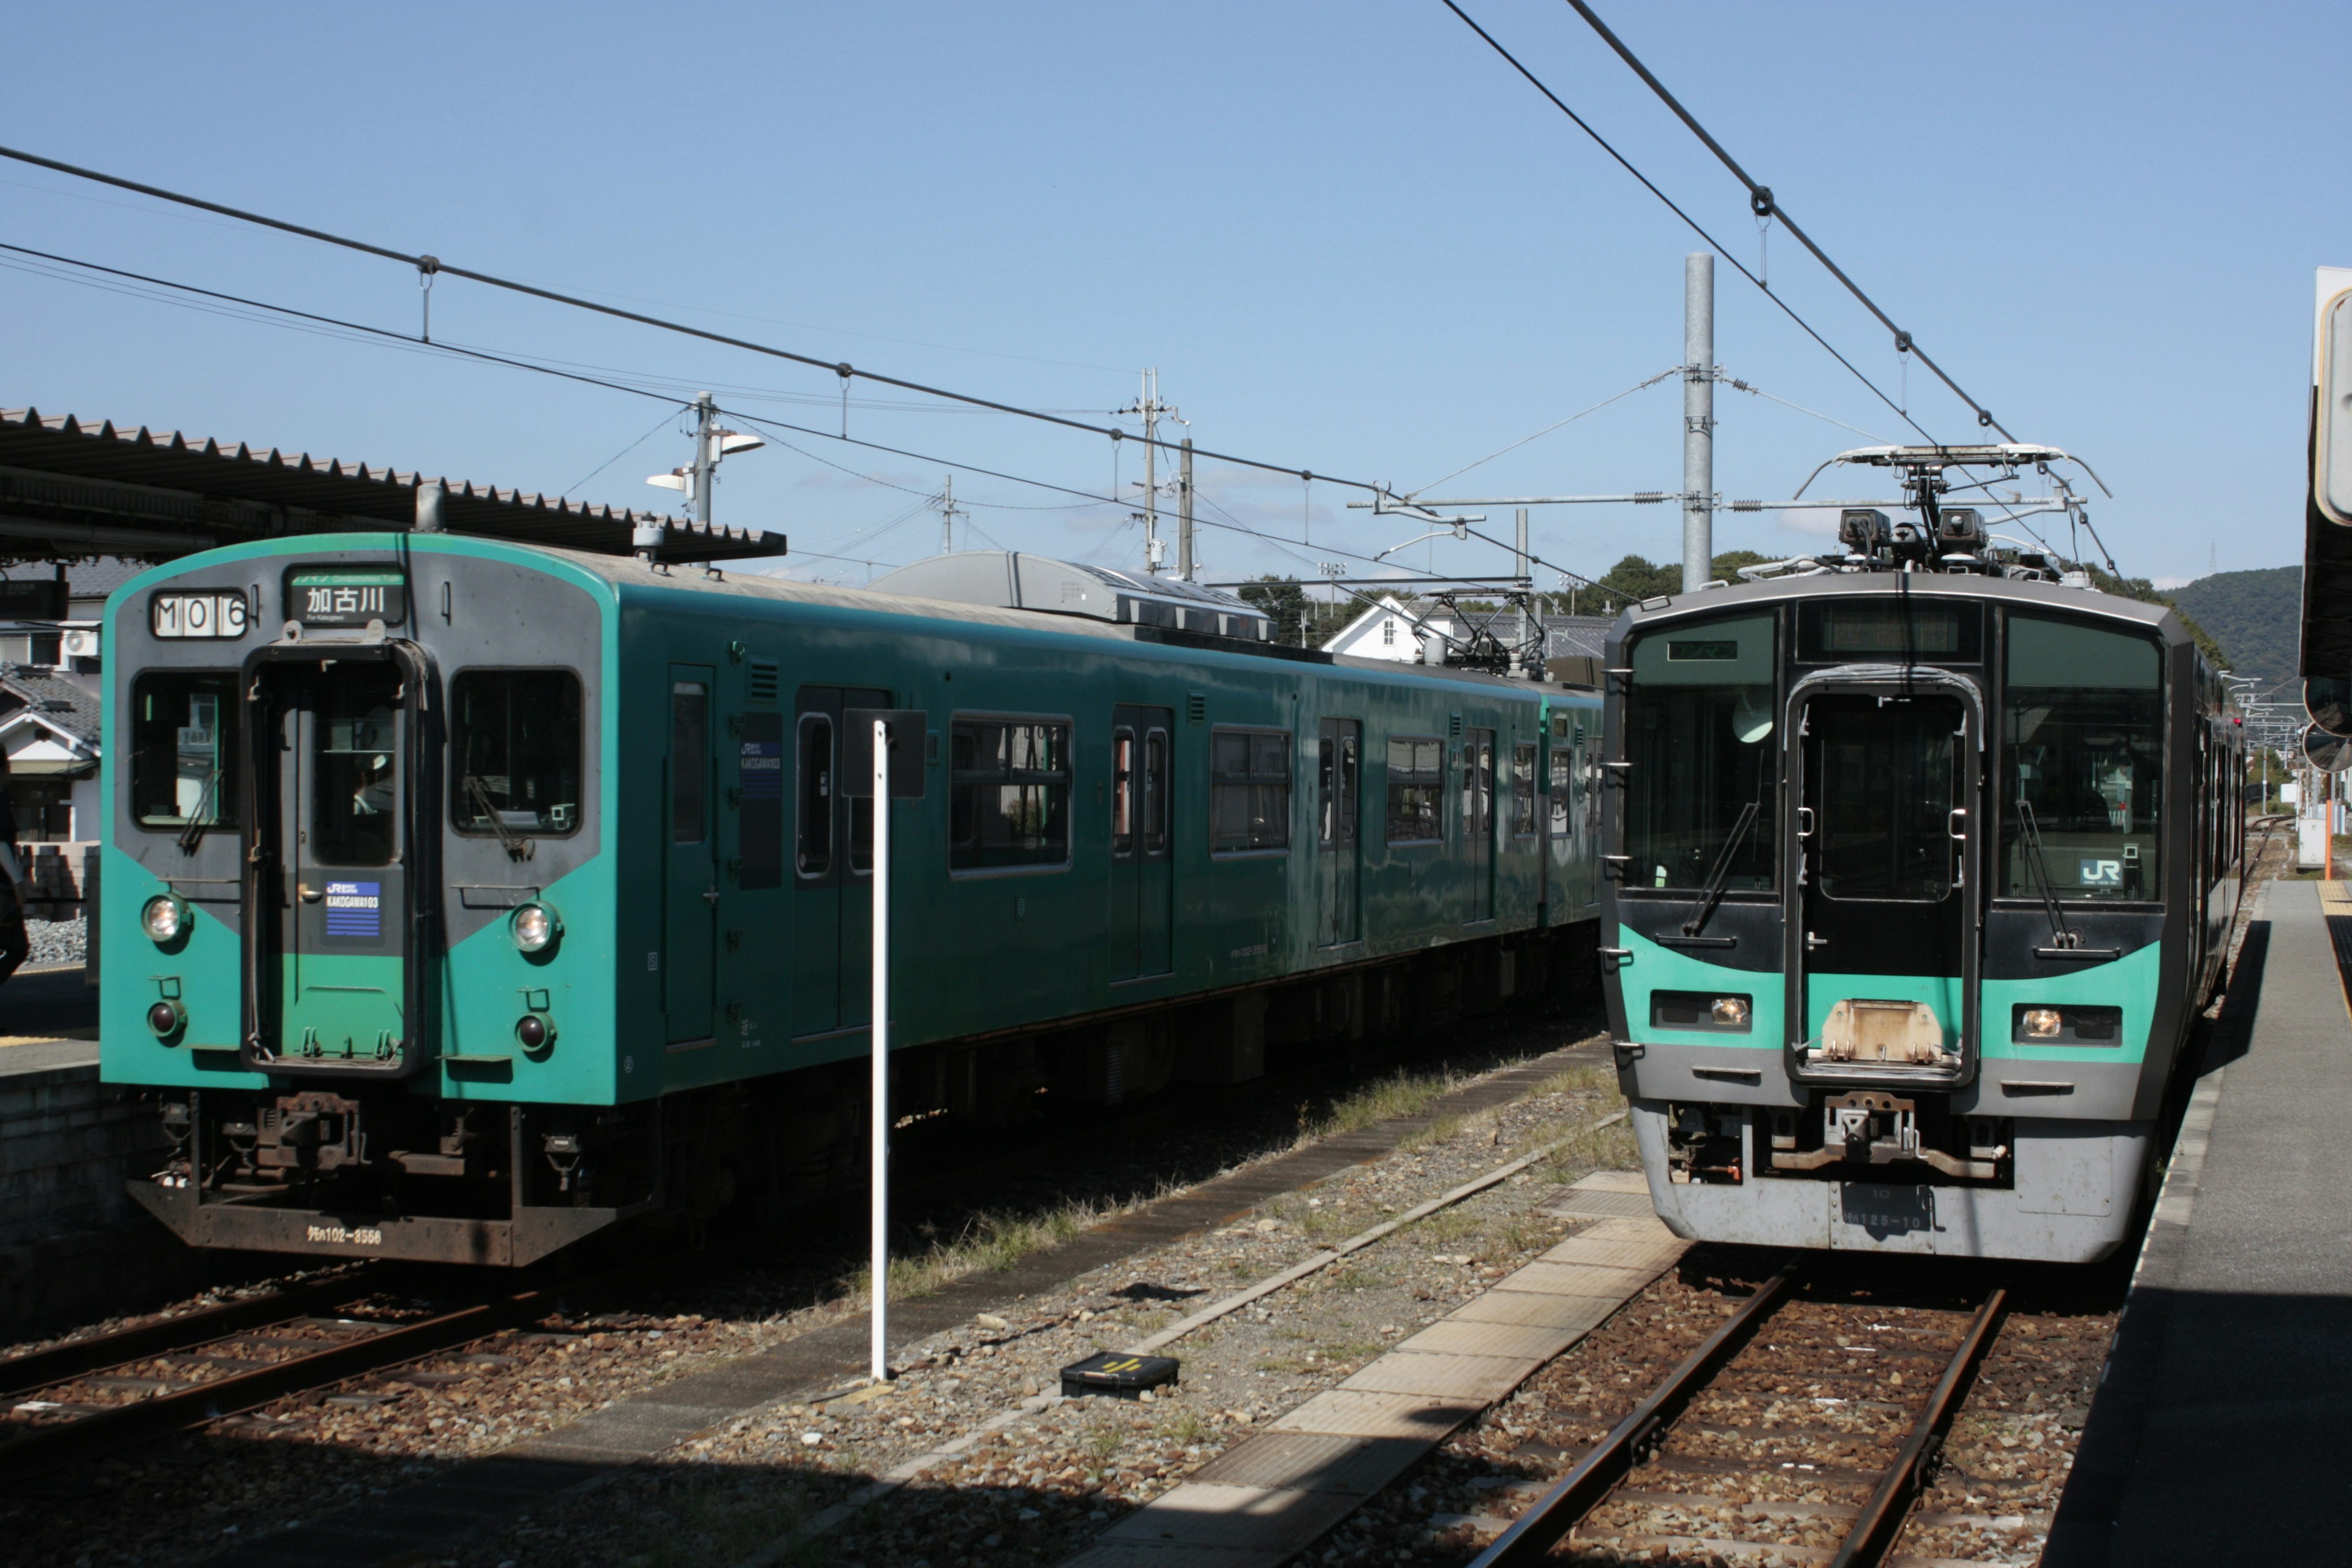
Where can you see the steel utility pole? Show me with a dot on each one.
(1526, 585)
(705, 454)
(1185, 516)
(1148, 407)
(1698, 420)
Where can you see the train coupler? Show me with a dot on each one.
(1879, 1129)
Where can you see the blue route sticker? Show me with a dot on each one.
(356, 908)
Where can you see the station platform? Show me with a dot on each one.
(2218, 1434)
(49, 1018)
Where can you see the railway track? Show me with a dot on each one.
(1734, 1454)
(79, 1402)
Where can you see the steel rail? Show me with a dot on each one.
(1535, 1533)
(93, 1436)
(35, 1370)
(1882, 1518)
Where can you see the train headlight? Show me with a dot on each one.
(2041, 1022)
(1731, 1012)
(535, 927)
(164, 918)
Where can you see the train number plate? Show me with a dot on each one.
(1886, 1208)
(345, 1236)
(198, 614)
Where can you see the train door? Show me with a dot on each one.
(832, 862)
(1478, 820)
(1338, 770)
(691, 872)
(1142, 866)
(335, 748)
(1885, 896)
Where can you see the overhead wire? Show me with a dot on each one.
(616, 456)
(1764, 206)
(1692, 223)
(1637, 386)
(428, 266)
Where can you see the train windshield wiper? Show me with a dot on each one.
(2060, 933)
(517, 847)
(192, 833)
(1712, 894)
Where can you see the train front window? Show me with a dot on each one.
(1699, 718)
(2083, 772)
(183, 745)
(355, 767)
(514, 745)
(1887, 772)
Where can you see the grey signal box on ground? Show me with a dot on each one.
(907, 753)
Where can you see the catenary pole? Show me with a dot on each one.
(705, 454)
(1698, 420)
(880, 1091)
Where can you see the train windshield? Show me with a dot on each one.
(184, 741)
(514, 744)
(2082, 730)
(1699, 721)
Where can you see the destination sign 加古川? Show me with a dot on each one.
(346, 597)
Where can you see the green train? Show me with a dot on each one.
(464, 898)
(1922, 859)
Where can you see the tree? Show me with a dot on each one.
(1298, 621)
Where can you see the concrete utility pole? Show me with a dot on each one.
(1698, 420)
(948, 517)
(1185, 516)
(706, 453)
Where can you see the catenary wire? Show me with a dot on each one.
(429, 266)
(616, 456)
(1692, 222)
(1637, 386)
(348, 331)
(1766, 206)
(401, 340)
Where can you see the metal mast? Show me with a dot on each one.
(706, 453)
(1698, 420)
(1148, 407)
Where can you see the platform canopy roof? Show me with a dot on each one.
(71, 489)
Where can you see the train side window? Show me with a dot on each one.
(184, 750)
(514, 750)
(1523, 790)
(2083, 726)
(1155, 793)
(1009, 803)
(1123, 790)
(814, 855)
(1249, 790)
(1416, 789)
(690, 752)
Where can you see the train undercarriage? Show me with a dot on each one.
(379, 1173)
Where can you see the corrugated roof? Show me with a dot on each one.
(84, 489)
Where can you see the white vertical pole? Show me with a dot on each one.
(880, 1091)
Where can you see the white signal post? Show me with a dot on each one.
(880, 1358)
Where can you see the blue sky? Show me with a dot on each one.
(1349, 238)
